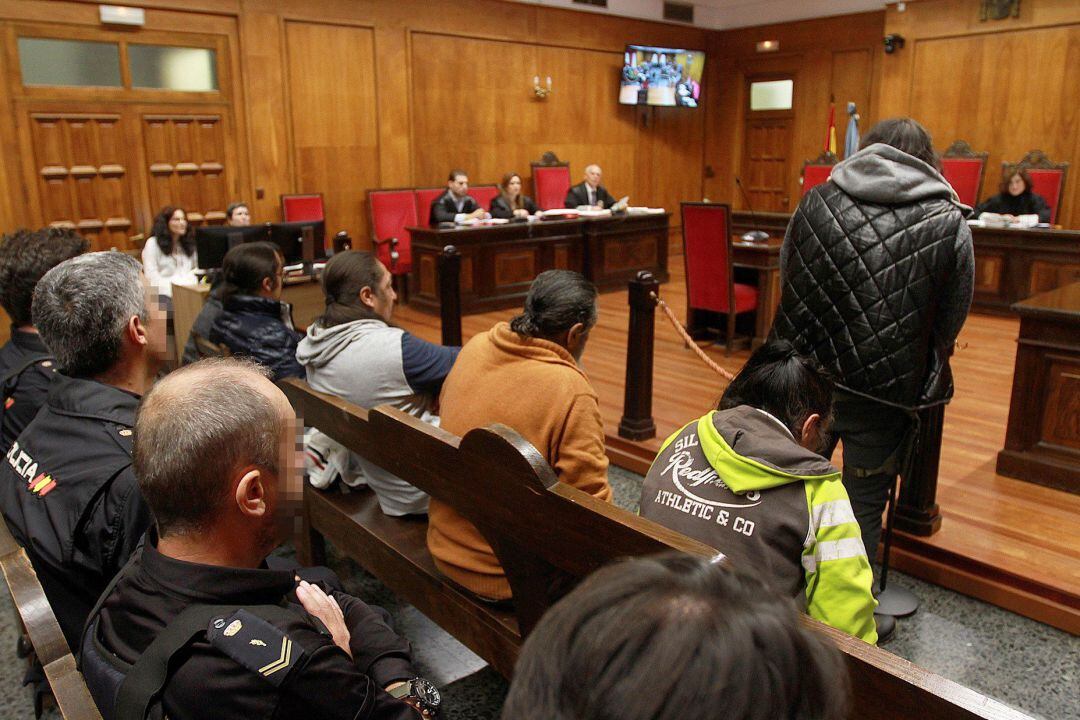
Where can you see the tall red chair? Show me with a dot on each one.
(963, 168)
(710, 274)
(484, 194)
(1047, 178)
(424, 198)
(551, 181)
(297, 208)
(391, 211)
(816, 171)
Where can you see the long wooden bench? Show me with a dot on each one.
(547, 535)
(68, 687)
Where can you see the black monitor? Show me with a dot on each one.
(213, 241)
(289, 236)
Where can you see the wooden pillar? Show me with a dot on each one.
(637, 422)
(450, 295)
(916, 510)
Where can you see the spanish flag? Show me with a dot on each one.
(830, 134)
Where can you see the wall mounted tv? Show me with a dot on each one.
(661, 76)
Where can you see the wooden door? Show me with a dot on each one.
(766, 162)
(80, 169)
(186, 165)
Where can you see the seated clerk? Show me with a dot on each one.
(455, 205)
(253, 321)
(674, 637)
(1015, 198)
(217, 461)
(510, 203)
(747, 479)
(26, 365)
(590, 192)
(67, 490)
(354, 353)
(169, 255)
(541, 349)
(237, 214)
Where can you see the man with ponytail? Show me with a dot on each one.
(538, 351)
(353, 352)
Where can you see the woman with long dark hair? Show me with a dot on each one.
(168, 256)
(511, 203)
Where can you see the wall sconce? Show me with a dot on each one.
(541, 91)
(768, 46)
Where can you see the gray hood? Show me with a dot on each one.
(321, 345)
(882, 174)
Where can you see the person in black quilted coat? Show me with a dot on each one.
(254, 322)
(877, 274)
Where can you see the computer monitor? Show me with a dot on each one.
(213, 241)
(289, 236)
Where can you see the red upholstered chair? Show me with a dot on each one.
(391, 212)
(297, 208)
(424, 198)
(484, 194)
(816, 171)
(1047, 178)
(963, 168)
(551, 181)
(710, 276)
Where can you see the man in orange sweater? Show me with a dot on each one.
(524, 374)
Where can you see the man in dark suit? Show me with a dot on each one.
(455, 205)
(590, 192)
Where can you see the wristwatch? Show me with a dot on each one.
(424, 693)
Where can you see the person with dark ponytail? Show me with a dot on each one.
(168, 256)
(749, 480)
(525, 374)
(353, 352)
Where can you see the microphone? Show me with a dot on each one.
(753, 235)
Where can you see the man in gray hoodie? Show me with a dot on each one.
(877, 274)
(352, 352)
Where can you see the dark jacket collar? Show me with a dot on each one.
(213, 584)
(80, 397)
(254, 304)
(28, 342)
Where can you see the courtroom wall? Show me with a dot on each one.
(1006, 86)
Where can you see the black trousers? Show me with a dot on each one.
(876, 438)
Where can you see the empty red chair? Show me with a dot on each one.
(551, 181)
(816, 171)
(963, 168)
(297, 208)
(484, 194)
(391, 212)
(710, 276)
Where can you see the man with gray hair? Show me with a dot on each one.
(590, 192)
(67, 490)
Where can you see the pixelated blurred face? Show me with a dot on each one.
(384, 294)
(240, 217)
(1016, 185)
(157, 318)
(459, 185)
(289, 488)
(178, 223)
(592, 176)
(513, 188)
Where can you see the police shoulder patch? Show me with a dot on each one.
(255, 644)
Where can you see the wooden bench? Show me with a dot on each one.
(68, 687)
(547, 535)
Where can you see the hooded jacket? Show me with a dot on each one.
(260, 328)
(535, 387)
(877, 275)
(737, 480)
(369, 363)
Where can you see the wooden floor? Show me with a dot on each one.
(1005, 541)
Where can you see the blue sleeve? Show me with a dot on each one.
(425, 364)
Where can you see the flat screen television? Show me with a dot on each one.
(661, 76)
(289, 236)
(213, 241)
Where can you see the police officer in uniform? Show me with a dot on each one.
(217, 460)
(67, 489)
(26, 365)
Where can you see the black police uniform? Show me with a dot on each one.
(69, 496)
(26, 372)
(245, 666)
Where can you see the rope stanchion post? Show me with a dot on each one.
(637, 422)
(917, 510)
(450, 295)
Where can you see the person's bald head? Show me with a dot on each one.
(593, 173)
(199, 431)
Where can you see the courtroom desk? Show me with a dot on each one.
(304, 294)
(764, 258)
(1012, 264)
(1042, 440)
(499, 262)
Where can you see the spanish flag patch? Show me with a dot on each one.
(42, 485)
(8, 403)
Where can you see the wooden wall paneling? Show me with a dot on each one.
(333, 114)
(186, 163)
